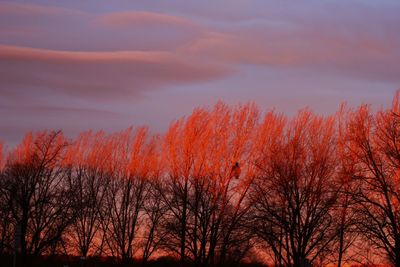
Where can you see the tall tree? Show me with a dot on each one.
(35, 191)
(132, 166)
(295, 193)
(87, 160)
(6, 228)
(372, 145)
(205, 199)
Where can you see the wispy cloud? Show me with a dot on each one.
(115, 74)
(366, 56)
(24, 9)
(143, 18)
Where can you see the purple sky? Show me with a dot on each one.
(101, 64)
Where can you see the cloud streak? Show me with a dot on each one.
(54, 56)
(143, 18)
(18, 9)
(117, 74)
(367, 57)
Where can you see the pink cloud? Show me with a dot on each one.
(367, 55)
(10, 8)
(140, 18)
(99, 74)
(45, 55)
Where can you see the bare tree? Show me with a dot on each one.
(348, 235)
(181, 144)
(88, 180)
(205, 199)
(36, 193)
(154, 208)
(132, 159)
(295, 194)
(372, 145)
(6, 228)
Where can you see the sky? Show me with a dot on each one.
(106, 65)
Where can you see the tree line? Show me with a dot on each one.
(222, 186)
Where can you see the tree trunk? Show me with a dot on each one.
(183, 224)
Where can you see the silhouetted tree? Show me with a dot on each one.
(295, 194)
(372, 146)
(88, 179)
(154, 208)
(132, 166)
(6, 227)
(35, 190)
(205, 203)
